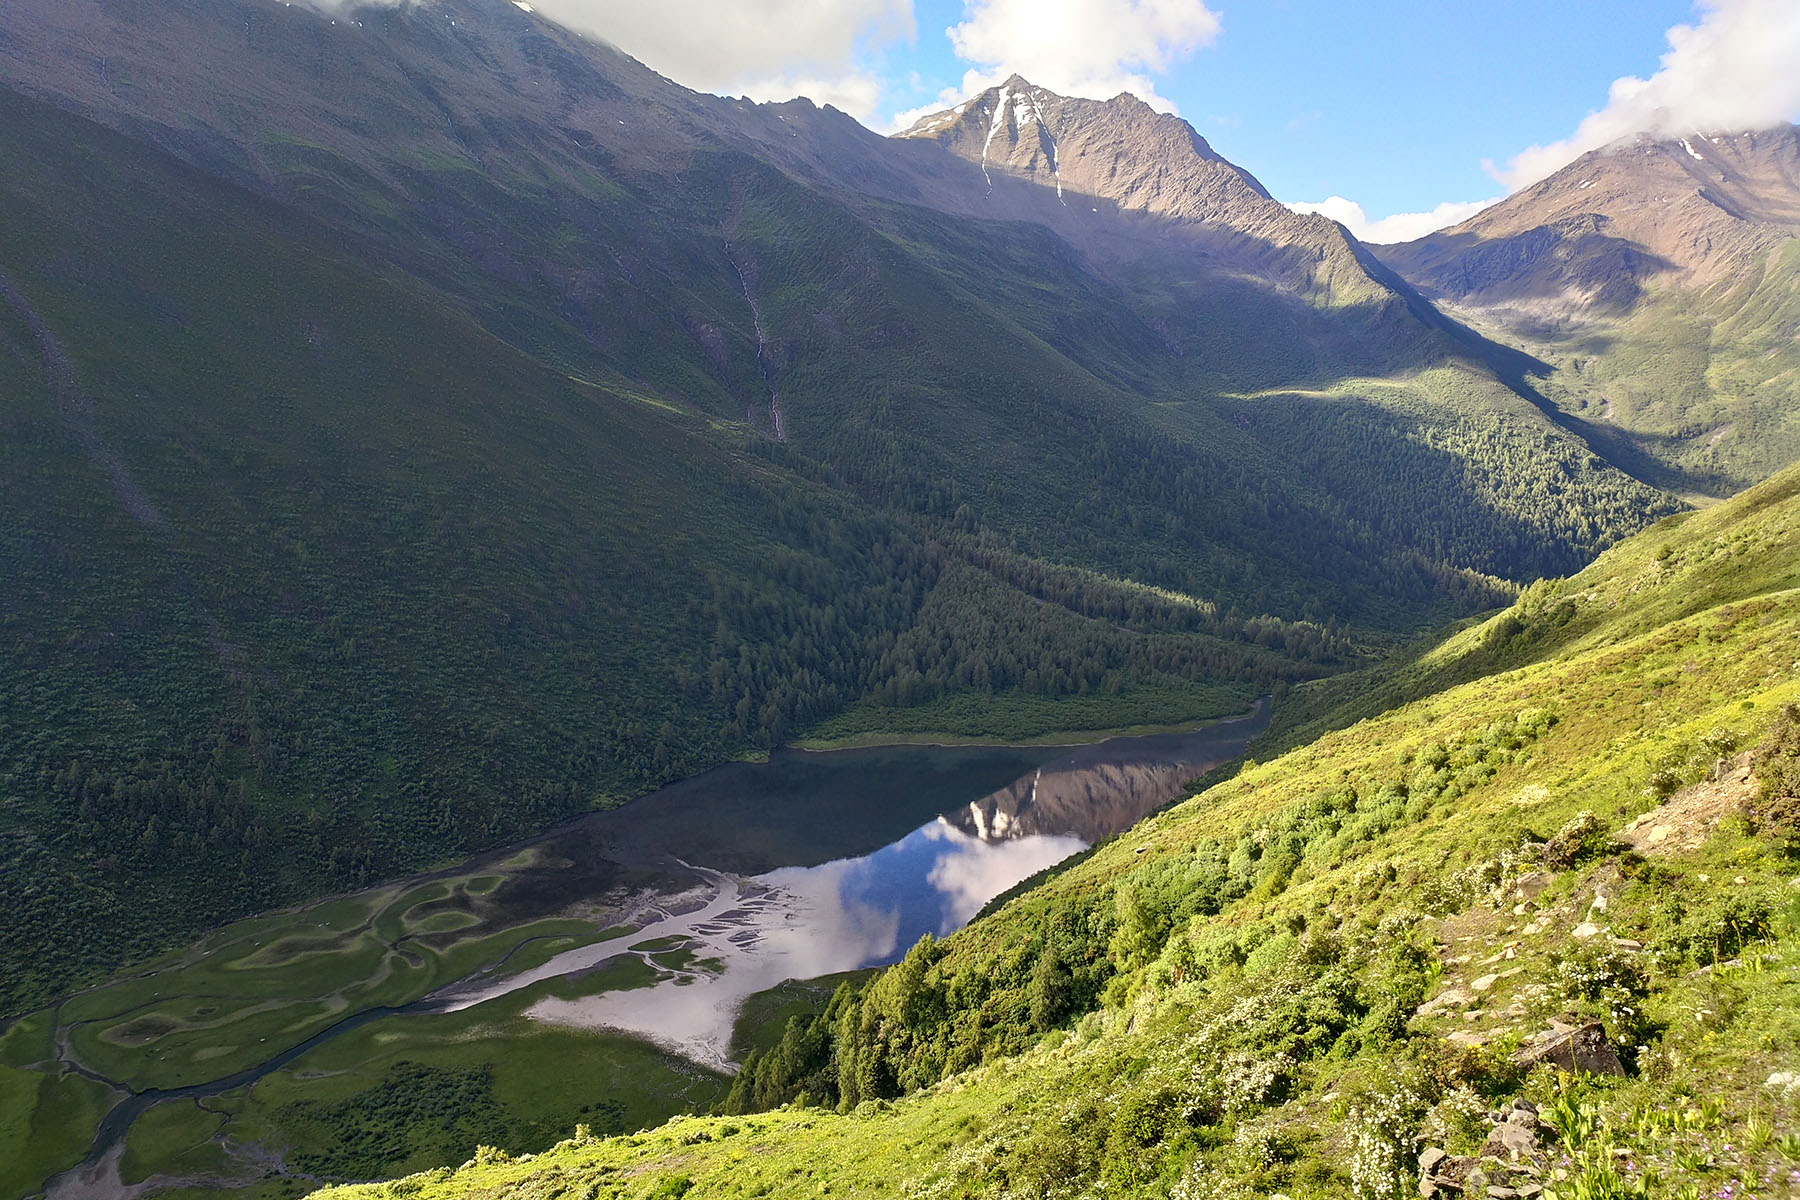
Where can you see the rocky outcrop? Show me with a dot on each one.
(1512, 1163)
(1686, 819)
(1572, 1048)
(1071, 163)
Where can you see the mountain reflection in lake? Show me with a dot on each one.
(802, 922)
(746, 928)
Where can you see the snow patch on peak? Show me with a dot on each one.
(1037, 112)
(1026, 108)
(1001, 105)
(1692, 153)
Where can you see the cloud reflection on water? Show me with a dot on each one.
(803, 922)
(972, 871)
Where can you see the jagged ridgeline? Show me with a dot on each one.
(1332, 974)
(426, 425)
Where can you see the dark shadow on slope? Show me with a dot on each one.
(1520, 370)
(1575, 254)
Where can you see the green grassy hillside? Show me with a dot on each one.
(1300, 979)
(1696, 386)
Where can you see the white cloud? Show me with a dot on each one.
(856, 92)
(770, 50)
(970, 872)
(906, 118)
(1401, 227)
(1095, 48)
(1739, 68)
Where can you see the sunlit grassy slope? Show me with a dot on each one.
(1232, 1005)
(1692, 389)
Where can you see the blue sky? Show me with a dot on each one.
(1423, 108)
(1392, 105)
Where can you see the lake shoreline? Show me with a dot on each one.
(1072, 737)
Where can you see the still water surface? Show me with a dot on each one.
(737, 934)
(791, 923)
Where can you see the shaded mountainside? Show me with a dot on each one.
(1658, 279)
(1352, 969)
(777, 262)
(426, 424)
(310, 579)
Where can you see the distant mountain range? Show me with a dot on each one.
(1659, 281)
(426, 423)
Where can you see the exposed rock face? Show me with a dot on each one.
(1064, 160)
(1583, 1048)
(1697, 209)
(1119, 150)
(1685, 820)
(1512, 1162)
(1512, 1140)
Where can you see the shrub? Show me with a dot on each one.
(1061, 1156)
(1583, 837)
(1458, 1122)
(1262, 1144)
(1720, 742)
(1609, 980)
(1248, 1081)
(1384, 1139)
(1777, 806)
(1718, 930)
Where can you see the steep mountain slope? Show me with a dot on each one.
(1329, 975)
(595, 215)
(430, 424)
(1660, 280)
(288, 600)
(1054, 159)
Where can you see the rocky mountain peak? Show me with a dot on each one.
(1693, 206)
(1753, 176)
(1107, 155)
(1027, 129)
(1072, 163)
